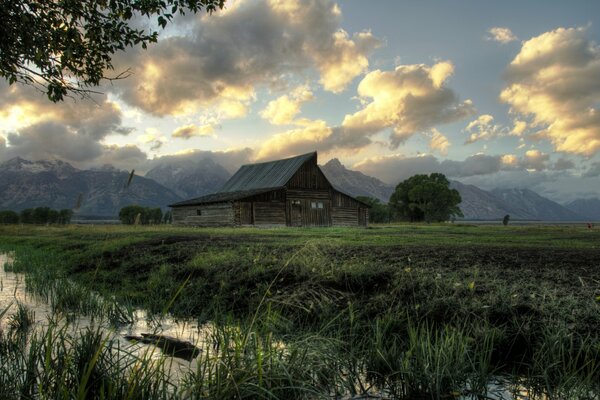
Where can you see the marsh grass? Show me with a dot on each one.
(297, 316)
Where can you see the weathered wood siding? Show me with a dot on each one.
(346, 211)
(308, 177)
(218, 214)
(269, 213)
(299, 212)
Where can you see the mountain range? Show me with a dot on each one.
(58, 185)
(104, 191)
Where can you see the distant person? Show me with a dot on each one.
(590, 225)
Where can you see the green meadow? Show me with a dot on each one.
(398, 311)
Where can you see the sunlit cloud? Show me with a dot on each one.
(219, 61)
(554, 79)
(501, 35)
(483, 128)
(189, 131)
(438, 142)
(284, 109)
(409, 99)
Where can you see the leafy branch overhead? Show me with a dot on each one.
(66, 46)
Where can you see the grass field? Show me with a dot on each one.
(411, 311)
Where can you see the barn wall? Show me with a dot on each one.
(269, 213)
(218, 214)
(308, 176)
(346, 211)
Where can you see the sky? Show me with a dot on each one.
(496, 94)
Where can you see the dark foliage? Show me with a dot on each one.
(379, 212)
(9, 217)
(135, 214)
(426, 198)
(67, 46)
(45, 215)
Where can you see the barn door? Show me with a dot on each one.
(295, 213)
(245, 213)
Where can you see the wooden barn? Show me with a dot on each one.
(289, 192)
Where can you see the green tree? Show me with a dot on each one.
(67, 46)
(9, 217)
(41, 215)
(128, 214)
(426, 198)
(26, 216)
(379, 212)
(64, 216)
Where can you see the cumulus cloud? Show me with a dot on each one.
(189, 131)
(2, 142)
(284, 109)
(438, 142)
(49, 140)
(501, 35)
(306, 137)
(409, 99)
(221, 59)
(535, 160)
(23, 106)
(483, 128)
(554, 81)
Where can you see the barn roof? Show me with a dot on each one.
(221, 197)
(266, 175)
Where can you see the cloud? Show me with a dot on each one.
(2, 142)
(482, 128)
(308, 136)
(534, 160)
(50, 140)
(501, 35)
(219, 60)
(189, 131)
(563, 164)
(553, 81)
(24, 106)
(519, 127)
(593, 171)
(397, 167)
(409, 99)
(438, 142)
(231, 159)
(126, 157)
(284, 109)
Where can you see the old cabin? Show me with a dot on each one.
(289, 192)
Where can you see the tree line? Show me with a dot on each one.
(138, 215)
(38, 215)
(420, 198)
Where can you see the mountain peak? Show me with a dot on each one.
(334, 163)
(57, 167)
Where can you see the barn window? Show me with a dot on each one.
(316, 205)
(198, 212)
(319, 205)
(313, 204)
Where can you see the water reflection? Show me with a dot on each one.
(13, 291)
